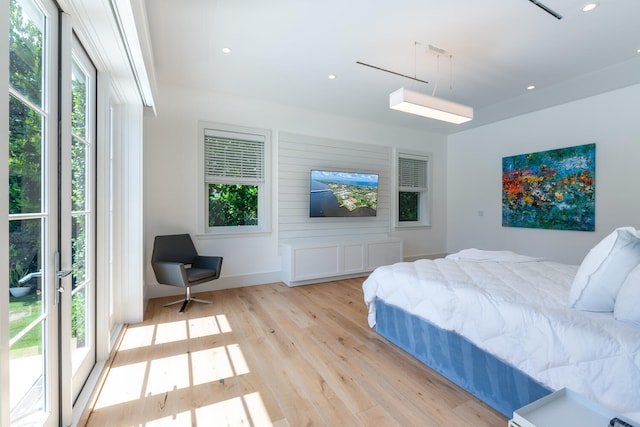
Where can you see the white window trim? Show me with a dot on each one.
(264, 194)
(425, 201)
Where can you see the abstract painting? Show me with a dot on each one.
(552, 189)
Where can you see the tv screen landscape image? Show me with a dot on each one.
(343, 194)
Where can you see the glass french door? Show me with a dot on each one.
(78, 220)
(51, 278)
(33, 213)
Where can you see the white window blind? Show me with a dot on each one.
(235, 156)
(412, 173)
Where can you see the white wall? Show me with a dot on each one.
(610, 120)
(171, 178)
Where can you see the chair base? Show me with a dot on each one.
(186, 300)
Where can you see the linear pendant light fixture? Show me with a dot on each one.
(429, 106)
(426, 105)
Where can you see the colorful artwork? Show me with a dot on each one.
(552, 189)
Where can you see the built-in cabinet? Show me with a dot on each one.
(316, 261)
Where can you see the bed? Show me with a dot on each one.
(510, 328)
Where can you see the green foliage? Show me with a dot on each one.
(27, 124)
(25, 173)
(78, 177)
(78, 318)
(408, 206)
(78, 103)
(25, 57)
(25, 158)
(78, 250)
(25, 310)
(25, 137)
(233, 205)
(15, 274)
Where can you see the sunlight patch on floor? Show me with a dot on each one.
(248, 410)
(211, 364)
(133, 375)
(181, 419)
(136, 337)
(203, 327)
(171, 332)
(224, 413)
(238, 361)
(170, 370)
(257, 410)
(223, 323)
(168, 374)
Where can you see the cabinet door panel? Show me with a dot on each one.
(383, 253)
(353, 258)
(316, 262)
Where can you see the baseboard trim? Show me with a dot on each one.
(87, 400)
(156, 290)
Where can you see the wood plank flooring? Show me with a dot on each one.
(273, 355)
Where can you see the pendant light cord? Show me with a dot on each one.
(435, 85)
(415, 61)
(451, 73)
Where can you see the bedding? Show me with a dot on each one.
(517, 309)
(604, 269)
(626, 306)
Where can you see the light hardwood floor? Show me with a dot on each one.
(273, 355)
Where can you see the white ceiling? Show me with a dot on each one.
(284, 50)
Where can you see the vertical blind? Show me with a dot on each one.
(412, 173)
(234, 156)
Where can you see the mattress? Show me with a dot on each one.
(515, 308)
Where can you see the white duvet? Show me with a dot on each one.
(515, 307)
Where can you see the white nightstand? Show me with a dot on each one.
(564, 408)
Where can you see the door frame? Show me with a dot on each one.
(126, 88)
(72, 51)
(4, 213)
(49, 213)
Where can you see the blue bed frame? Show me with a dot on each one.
(493, 381)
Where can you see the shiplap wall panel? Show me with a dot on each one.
(298, 155)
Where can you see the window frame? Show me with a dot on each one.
(424, 206)
(264, 187)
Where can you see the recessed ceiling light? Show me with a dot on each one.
(590, 7)
(531, 87)
(226, 50)
(332, 76)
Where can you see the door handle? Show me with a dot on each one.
(60, 274)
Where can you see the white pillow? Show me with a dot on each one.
(604, 269)
(627, 305)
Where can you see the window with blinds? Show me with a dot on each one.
(239, 158)
(412, 173)
(413, 189)
(234, 169)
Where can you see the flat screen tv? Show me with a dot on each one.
(343, 194)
